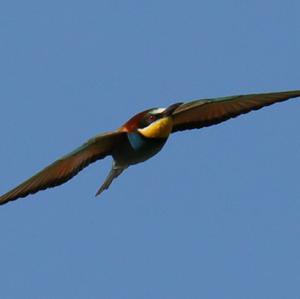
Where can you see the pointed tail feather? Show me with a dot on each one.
(114, 173)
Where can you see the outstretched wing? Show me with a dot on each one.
(66, 167)
(207, 112)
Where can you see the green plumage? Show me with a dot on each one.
(137, 149)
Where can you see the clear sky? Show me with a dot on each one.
(215, 215)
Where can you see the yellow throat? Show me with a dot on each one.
(159, 129)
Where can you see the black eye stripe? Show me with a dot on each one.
(148, 119)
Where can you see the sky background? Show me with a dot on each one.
(215, 215)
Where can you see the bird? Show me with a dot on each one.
(142, 137)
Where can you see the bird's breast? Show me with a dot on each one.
(137, 148)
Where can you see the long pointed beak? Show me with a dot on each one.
(169, 111)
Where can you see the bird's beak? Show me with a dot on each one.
(169, 111)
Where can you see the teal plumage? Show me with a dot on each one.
(137, 148)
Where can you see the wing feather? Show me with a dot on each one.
(207, 112)
(66, 167)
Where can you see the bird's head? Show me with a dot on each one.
(152, 123)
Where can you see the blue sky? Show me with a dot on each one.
(215, 214)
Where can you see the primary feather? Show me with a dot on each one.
(207, 112)
(66, 167)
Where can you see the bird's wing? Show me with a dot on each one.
(207, 112)
(68, 166)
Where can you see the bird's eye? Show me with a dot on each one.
(147, 120)
(151, 118)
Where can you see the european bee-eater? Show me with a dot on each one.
(142, 137)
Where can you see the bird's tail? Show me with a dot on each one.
(114, 173)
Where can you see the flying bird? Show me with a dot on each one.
(142, 137)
